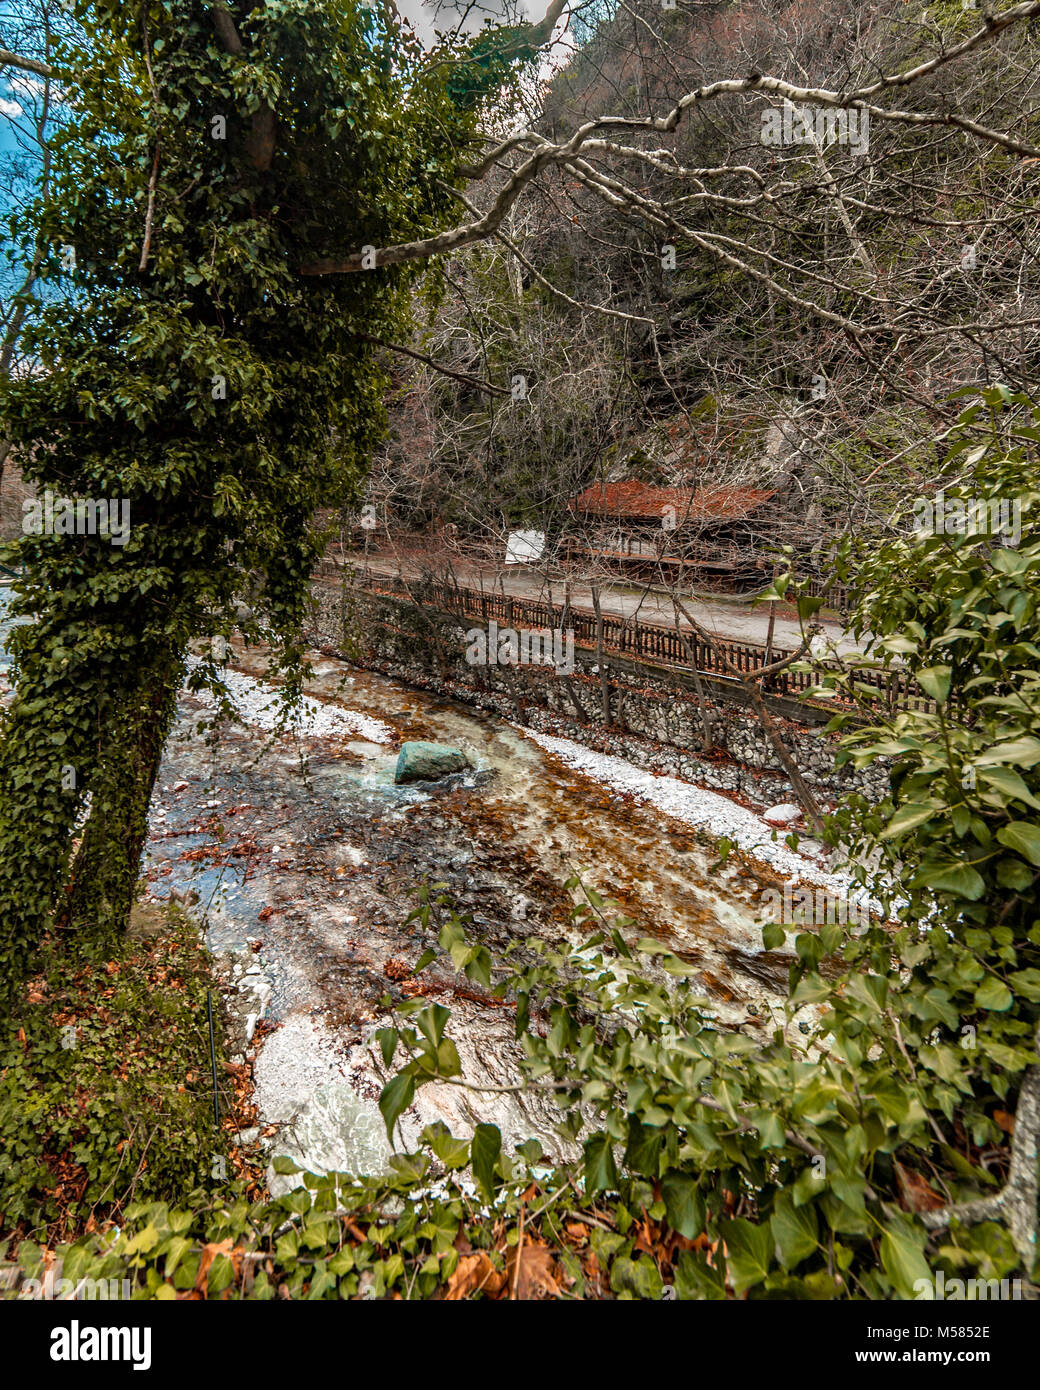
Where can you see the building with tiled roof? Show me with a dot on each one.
(720, 533)
(640, 501)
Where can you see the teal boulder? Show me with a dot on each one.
(425, 762)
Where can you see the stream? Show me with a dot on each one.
(306, 856)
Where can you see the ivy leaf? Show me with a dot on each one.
(485, 1148)
(935, 681)
(530, 1151)
(891, 1097)
(750, 1252)
(899, 644)
(144, 1241)
(452, 1152)
(178, 1248)
(1027, 984)
(221, 1273)
(993, 994)
(1010, 783)
(695, 1279)
(903, 1260)
(431, 1023)
(773, 936)
(1012, 873)
(1023, 837)
(1023, 752)
(600, 1170)
(794, 1230)
(387, 1038)
(479, 968)
(906, 818)
(395, 1098)
(683, 1204)
(951, 877)
(639, 1277)
(448, 1062)
(643, 1151)
(771, 1133)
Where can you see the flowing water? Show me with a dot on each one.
(307, 847)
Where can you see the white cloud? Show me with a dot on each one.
(23, 84)
(11, 109)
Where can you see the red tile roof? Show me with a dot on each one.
(635, 499)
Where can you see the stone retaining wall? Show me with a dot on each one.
(655, 720)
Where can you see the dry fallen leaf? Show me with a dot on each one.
(915, 1191)
(474, 1274)
(537, 1275)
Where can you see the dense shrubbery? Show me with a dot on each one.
(105, 1087)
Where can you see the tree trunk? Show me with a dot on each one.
(43, 753)
(105, 869)
(802, 791)
(707, 732)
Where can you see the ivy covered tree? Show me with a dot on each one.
(189, 370)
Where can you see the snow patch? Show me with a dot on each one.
(782, 815)
(694, 805)
(259, 704)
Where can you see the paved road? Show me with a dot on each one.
(739, 622)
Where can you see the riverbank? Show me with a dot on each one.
(304, 858)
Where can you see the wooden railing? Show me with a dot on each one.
(639, 641)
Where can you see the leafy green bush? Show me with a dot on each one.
(105, 1089)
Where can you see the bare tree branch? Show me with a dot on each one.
(14, 60)
(466, 380)
(547, 154)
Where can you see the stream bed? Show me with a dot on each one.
(305, 857)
